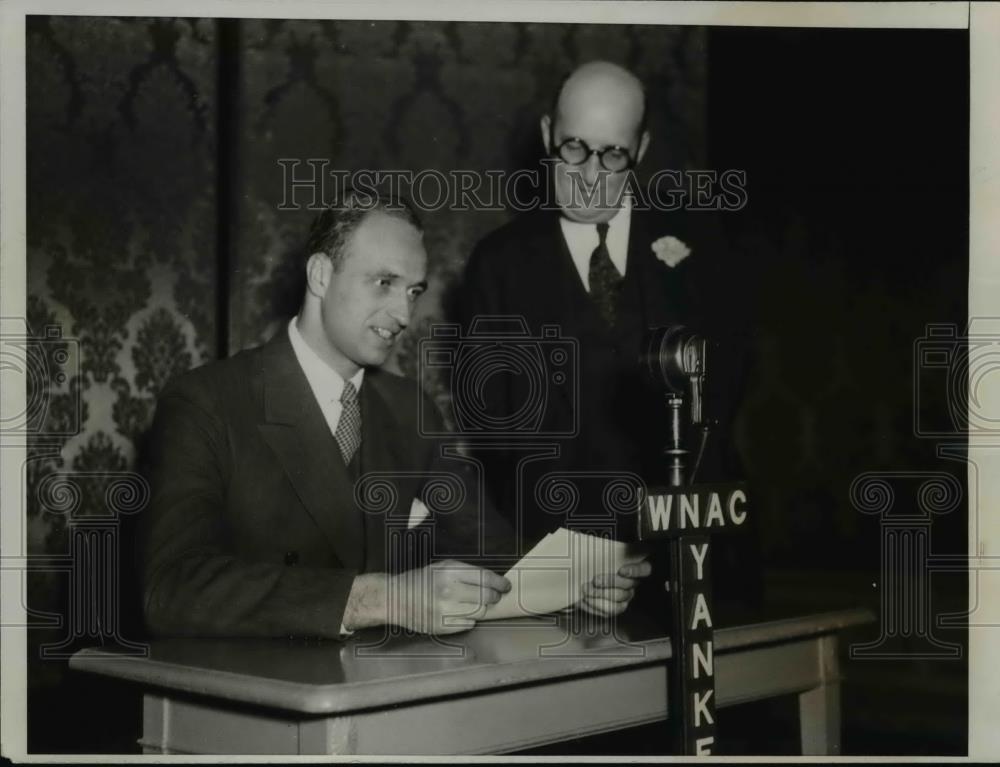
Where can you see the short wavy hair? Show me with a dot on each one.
(332, 229)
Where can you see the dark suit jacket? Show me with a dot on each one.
(618, 420)
(253, 528)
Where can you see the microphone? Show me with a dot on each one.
(674, 357)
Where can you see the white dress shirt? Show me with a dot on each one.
(325, 382)
(582, 239)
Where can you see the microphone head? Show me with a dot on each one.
(672, 356)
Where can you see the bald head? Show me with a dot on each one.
(600, 105)
(599, 89)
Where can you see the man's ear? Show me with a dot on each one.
(318, 269)
(547, 133)
(643, 146)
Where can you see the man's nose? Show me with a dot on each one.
(400, 309)
(592, 170)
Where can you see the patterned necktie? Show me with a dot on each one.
(348, 434)
(605, 282)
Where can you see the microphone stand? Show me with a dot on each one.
(673, 451)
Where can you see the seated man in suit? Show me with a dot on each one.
(603, 269)
(256, 526)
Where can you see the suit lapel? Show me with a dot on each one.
(294, 427)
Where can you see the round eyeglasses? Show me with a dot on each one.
(575, 151)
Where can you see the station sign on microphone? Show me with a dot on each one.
(710, 508)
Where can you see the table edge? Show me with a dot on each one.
(338, 698)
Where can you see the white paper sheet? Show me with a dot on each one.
(552, 575)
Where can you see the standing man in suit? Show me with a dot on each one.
(603, 271)
(254, 526)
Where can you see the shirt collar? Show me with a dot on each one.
(325, 382)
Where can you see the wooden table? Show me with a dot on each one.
(498, 688)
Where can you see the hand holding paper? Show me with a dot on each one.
(610, 593)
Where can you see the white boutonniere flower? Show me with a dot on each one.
(670, 250)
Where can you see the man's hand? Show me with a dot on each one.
(610, 593)
(443, 598)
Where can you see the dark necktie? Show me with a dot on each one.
(605, 282)
(348, 434)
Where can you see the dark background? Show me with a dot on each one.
(154, 241)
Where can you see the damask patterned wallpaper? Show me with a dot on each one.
(121, 265)
(121, 231)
